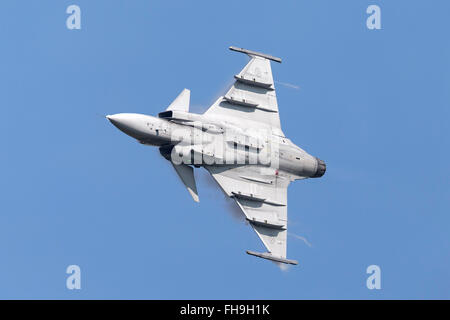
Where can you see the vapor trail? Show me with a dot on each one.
(289, 85)
(231, 207)
(300, 238)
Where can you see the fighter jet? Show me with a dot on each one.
(240, 142)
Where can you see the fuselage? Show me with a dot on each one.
(199, 140)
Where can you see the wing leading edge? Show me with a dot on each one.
(252, 96)
(261, 194)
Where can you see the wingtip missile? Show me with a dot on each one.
(254, 53)
(269, 256)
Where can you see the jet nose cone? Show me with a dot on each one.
(118, 120)
(132, 124)
(112, 118)
(321, 168)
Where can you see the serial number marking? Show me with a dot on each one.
(246, 309)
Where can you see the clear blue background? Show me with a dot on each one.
(74, 190)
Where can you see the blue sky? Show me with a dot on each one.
(374, 104)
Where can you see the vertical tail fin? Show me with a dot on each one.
(186, 174)
(181, 103)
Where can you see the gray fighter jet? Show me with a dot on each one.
(240, 142)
